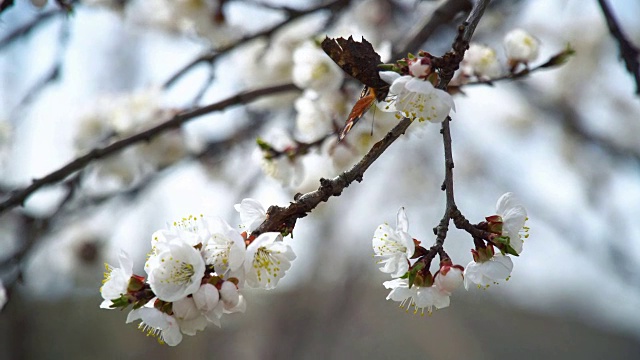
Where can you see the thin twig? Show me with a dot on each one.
(26, 29)
(5, 4)
(460, 46)
(444, 14)
(18, 197)
(51, 76)
(628, 52)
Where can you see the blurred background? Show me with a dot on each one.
(564, 140)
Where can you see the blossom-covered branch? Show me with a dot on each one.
(213, 55)
(279, 218)
(18, 196)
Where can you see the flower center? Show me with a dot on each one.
(266, 263)
(179, 272)
(189, 223)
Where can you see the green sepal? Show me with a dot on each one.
(135, 284)
(263, 144)
(560, 58)
(388, 67)
(121, 302)
(413, 272)
(510, 250)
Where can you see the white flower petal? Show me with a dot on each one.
(157, 324)
(252, 213)
(175, 271)
(389, 76)
(267, 260)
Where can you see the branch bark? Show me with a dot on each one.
(628, 52)
(18, 197)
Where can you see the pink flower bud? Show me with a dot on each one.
(449, 278)
(420, 67)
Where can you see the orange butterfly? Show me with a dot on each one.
(359, 60)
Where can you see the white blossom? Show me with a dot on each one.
(206, 298)
(449, 278)
(313, 69)
(488, 272)
(416, 99)
(419, 297)
(157, 324)
(252, 213)
(312, 121)
(520, 46)
(420, 67)
(223, 247)
(118, 116)
(290, 172)
(481, 61)
(394, 247)
(514, 216)
(267, 260)
(190, 318)
(116, 280)
(189, 17)
(175, 270)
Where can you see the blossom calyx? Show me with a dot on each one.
(483, 254)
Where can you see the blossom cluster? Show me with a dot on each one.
(414, 285)
(408, 262)
(196, 271)
(116, 117)
(481, 61)
(321, 109)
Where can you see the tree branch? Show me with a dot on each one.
(26, 29)
(628, 52)
(460, 46)
(443, 15)
(18, 196)
(285, 217)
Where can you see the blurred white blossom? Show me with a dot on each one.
(521, 46)
(313, 69)
(481, 61)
